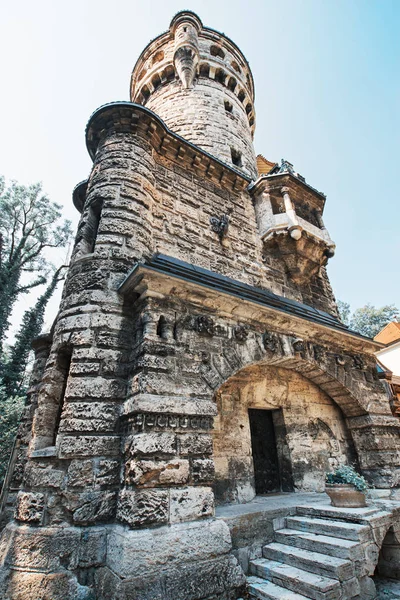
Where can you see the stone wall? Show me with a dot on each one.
(315, 435)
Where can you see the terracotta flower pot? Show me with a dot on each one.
(345, 495)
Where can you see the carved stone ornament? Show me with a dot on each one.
(151, 420)
(204, 325)
(299, 345)
(340, 359)
(270, 341)
(220, 225)
(319, 353)
(358, 361)
(241, 333)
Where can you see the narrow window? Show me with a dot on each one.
(204, 70)
(92, 225)
(63, 365)
(236, 157)
(228, 106)
(162, 327)
(241, 95)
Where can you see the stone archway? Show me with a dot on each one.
(310, 432)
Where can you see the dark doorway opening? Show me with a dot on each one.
(265, 454)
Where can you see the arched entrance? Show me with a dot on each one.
(275, 431)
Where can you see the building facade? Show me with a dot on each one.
(197, 359)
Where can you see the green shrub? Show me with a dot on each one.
(347, 474)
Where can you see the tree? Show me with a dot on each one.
(367, 320)
(344, 311)
(29, 224)
(14, 368)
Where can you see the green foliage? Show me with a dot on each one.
(10, 414)
(367, 320)
(29, 224)
(344, 311)
(347, 474)
(14, 368)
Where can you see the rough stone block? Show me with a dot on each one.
(191, 503)
(137, 508)
(108, 472)
(80, 473)
(92, 548)
(149, 550)
(195, 444)
(147, 472)
(30, 507)
(71, 447)
(89, 416)
(44, 549)
(91, 507)
(36, 476)
(203, 469)
(153, 443)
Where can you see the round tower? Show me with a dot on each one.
(199, 82)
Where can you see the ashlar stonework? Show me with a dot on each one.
(197, 364)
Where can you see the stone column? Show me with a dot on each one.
(263, 210)
(294, 227)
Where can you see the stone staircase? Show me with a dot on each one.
(316, 554)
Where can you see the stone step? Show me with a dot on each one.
(329, 527)
(353, 515)
(324, 544)
(313, 562)
(262, 589)
(296, 580)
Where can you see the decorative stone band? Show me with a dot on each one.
(151, 421)
(127, 117)
(164, 275)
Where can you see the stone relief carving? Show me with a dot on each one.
(205, 325)
(220, 225)
(270, 341)
(299, 345)
(241, 333)
(150, 420)
(319, 353)
(358, 362)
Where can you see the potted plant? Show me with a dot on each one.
(346, 488)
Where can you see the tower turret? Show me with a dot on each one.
(199, 82)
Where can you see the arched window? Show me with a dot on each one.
(217, 51)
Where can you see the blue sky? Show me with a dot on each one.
(327, 99)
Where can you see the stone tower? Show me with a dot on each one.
(197, 322)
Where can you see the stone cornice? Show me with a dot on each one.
(168, 277)
(79, 194)
(128, 117)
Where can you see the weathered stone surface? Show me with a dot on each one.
(71, 447)
(191, 503)
(146, 472)
(80, 473)
(91, 507)
(145, 507)
(149, 550)
(195, 444)
(30, 507)
(141, 358)
(153, 443)
(21, 586)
